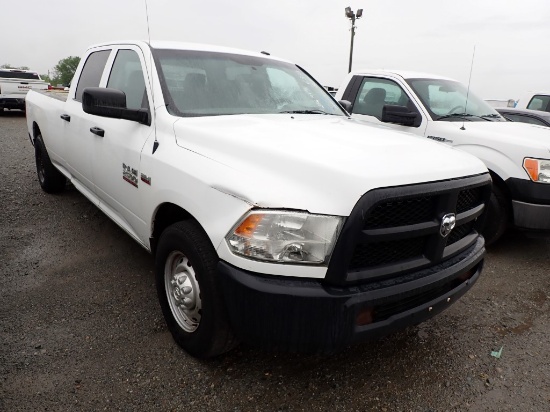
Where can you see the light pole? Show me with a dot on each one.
(352, 16)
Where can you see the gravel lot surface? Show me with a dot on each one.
(81, 329)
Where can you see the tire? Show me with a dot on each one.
(188, 292)
(498, 216)
(51, 180)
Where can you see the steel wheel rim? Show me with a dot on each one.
(182, 291)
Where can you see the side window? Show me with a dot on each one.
(92, 71)
(127, 75)
(539, 102)
(375, 93)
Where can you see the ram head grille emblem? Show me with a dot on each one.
(448, 222)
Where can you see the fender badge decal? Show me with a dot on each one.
(129, 174)
(439, 139)
(145, 179)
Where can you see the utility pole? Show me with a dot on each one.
(352, 16)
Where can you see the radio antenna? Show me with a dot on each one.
(156, 142)
(468, 91)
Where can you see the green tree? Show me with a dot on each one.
(9, 66)
(63, 71)
(47, 78)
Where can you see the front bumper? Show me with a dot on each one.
(309, 316)
(531, 217)
(530, 203)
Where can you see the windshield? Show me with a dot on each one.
(446, 99)
(198, 83)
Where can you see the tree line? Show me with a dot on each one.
(62, 73)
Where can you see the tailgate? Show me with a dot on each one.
(19, 83)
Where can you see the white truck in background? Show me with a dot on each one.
(14, 86)
(443, 110)
(273, 220)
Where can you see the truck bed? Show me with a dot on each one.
(56, 94)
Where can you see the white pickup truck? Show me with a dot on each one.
(14, 86)
(274, 217)
(441, 109)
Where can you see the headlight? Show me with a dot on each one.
(285, 237)
(538, 169)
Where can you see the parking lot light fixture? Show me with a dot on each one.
(352, 17)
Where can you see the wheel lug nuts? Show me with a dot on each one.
(187, 290)
(187, 302)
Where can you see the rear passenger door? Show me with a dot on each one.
(368, 96)
(77, 135)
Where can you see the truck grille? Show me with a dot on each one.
(393, 231)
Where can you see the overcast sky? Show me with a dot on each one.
(433, 36)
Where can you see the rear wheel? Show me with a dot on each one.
(498, 215)
(51, 180)
(188, 292)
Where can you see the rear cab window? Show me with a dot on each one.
(13, 74)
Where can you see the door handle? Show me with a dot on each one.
(66, 117)
(97, 131)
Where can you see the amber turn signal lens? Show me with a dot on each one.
(247, 228)
(532, 167)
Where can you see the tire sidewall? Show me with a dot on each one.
(51, 180)
(497, 217)
(201, 342)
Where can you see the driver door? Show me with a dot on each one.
(371, 96)
(117, 154)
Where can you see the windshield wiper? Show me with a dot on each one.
(491, 116)
(460, 115)
(308, 112)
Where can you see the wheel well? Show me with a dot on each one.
(166, 215)
(501, 184)
(35, 131)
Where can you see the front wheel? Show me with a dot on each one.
(51, 180)
(188, 292)
(498, 215)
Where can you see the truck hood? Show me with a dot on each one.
(519, 134)
(322, 164)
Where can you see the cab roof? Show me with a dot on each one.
(159, 44)
(402, 73)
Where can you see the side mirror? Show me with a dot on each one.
(399, 115)
(346, 104)
(104, 102)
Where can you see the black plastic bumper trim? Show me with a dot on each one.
(307, 315)
(531, 217)
(528, 191)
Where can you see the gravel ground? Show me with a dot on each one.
(81, 329)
